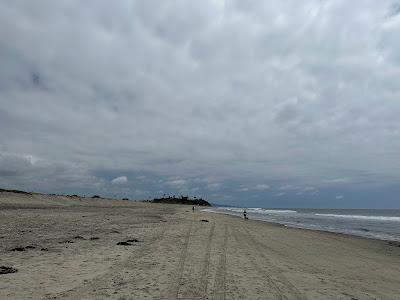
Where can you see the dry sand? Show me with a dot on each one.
(178, 256)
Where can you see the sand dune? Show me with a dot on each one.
(71, 249)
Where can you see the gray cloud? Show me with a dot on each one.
(232, 92)
(262, 187)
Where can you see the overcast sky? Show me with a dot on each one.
(253, 103)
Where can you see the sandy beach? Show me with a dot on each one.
(79, 248)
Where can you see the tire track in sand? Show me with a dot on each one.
(270, 282)
(219, 283)
(283, 285)
(206, 263)
(174, 290)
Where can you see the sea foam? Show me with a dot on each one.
(360, 217)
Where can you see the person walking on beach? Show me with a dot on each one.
(245, 215)
(193, 208)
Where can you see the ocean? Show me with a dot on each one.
(383, 224)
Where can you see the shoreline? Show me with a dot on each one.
(397, 241)
(351, 236)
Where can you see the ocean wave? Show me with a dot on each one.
(360, 217)
(234, 209)
(277, 211)
(258, 210)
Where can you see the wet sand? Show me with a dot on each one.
(73, 248)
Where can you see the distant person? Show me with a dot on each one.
(245, 215)
(193, 208)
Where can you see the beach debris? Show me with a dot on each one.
(115, 231)
(66, 242)
(19, 249)
(78, 237)
(128, 242)
(7, 270)
(133, 241)
(124, 244)
(93, 238)
(394, 244)
(44, 249)
(204, 220)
